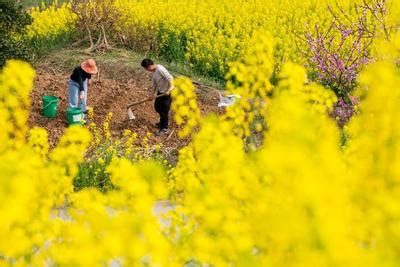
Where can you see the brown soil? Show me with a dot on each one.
(110, 95)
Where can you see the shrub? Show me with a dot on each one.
(96, 18)
(43, 38)
(93, 173)
(13, 22)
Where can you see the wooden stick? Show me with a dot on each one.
(170, 135)
(144, 100)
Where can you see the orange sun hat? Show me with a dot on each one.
(89, 66)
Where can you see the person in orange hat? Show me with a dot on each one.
(78, 84)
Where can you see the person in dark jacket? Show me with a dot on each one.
(78, 84)
(162, 84)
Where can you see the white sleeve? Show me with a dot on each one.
(164, 72)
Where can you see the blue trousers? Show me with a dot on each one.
(73, 95)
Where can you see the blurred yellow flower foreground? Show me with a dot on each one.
(301, 199)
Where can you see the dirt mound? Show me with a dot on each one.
(110, 95)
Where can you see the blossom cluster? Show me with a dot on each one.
(51, 22)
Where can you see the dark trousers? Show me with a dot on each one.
(162, 105)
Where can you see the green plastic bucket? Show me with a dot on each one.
(50, 104)
(74, 116)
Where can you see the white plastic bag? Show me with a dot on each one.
(229, 100)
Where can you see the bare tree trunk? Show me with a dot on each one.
(99, 41)
(105, 37)
(90, 38)
(97, 17)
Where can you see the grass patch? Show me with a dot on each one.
(32, 3)
(41, 47)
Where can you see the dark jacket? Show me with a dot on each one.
(79, 76)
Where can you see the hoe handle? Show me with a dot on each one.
(144, 100)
